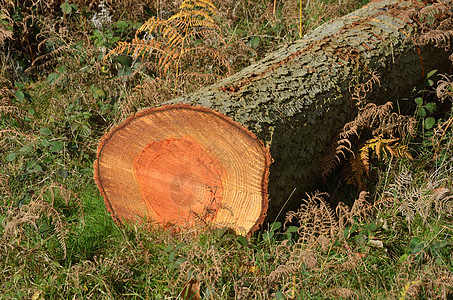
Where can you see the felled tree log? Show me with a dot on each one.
(296, 99)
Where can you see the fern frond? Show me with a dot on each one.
(343, 145)
(193, 18)
(138, 48)
(204, 4)
(15, 111)
(356, 170)
(315, 218)
(363, 89)
(173, 43)
(153, 24)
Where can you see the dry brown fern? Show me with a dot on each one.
(361, 90)
(385, 129)
(436, 22)
(14, 223)
(178, 42)
(358, 167)
(315, 218)
(5, 26)
(11, 110)
(426, 197)
(381, 130)
(361, 210)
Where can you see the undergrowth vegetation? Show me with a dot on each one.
(71, 69)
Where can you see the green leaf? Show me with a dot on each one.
(61, 69)
(122, 25)
(171, 256)
(421, 112)
(429, 82)
(242, 240)
(279, 295)
(431, 73)
(33, 167)
(20, 96)
(99, 94)
(45, 143)
(45, 131)
(84, 130)
(255, 41)
(63, 173)
(52, 78)
(179, 261)
(292, 229)
(179, 246)
(66, 8)
(431, 106)
(19, 85)
(275, 226)
(57, 146)
(26, 149)
(429, 122)
(123, 60)
(267, 236)
(419, 101)
(11, 157)
(403, 258)
(419, 247)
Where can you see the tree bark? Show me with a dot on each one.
(297, 98)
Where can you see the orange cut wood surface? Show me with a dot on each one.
(184, 166)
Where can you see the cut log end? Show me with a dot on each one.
(184, 166)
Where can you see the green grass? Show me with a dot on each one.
(59, 242)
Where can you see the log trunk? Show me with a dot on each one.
(297, 98)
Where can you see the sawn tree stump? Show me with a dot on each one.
(181, 165)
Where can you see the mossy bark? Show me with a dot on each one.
(297, 98)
